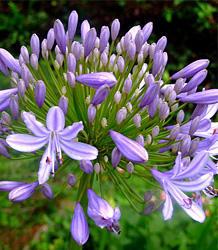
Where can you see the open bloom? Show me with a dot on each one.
(102, 213)
(56, 137)
(173, 184)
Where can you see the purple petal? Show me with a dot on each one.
(101, 94)
(79, 151)
(37, 128)
(193, 210)
(196, 165)
(26, 143)
(47, 162)
(168, 207)
(196, 185)
(55, 119)
(79, 225)
(71, 132)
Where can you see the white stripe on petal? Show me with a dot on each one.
(55, 119)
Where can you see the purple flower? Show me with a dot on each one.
(56, 137)
(72, 24)
(47, 191)
(173, 184)
(79, 225)
(101, 212)
(22, 192)
(96, 80)
(191, 69)
(132, 150)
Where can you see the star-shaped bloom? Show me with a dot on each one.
(173, 184)
(56, 137)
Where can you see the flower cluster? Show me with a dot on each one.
(107, 109)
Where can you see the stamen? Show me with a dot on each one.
(188, 202)
(48, 160)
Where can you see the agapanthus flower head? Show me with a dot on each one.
(106, 110)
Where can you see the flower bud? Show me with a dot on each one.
(7, 186)
(148, 195)
(115, 157)
(50, 38)
(194, 125)
(191, 69)
(22, 192)
(71, 179)
(71, 63)
(47, 191)
(139, 40)
(147, 29)
(97, 168)
(34, 61)
(185, 145)
(34, 44)
(104, 59)
(161, 44)
(115, 28)
(71, 79)
(101, 94)
(137, 120)
(96, 80)
(60, 36)
(175, 132)
(131, 51)
(157, 62)
(155, 131)
(25, 74)
(21, 88)
(79, 225)
(25, 54)
(6, 118)
(72, 24)
(164, 110)
(140, 140)
(180, 117)
(4, 152)
(91, 113)
(151, 50)
(63, 104)
(40, 89)
(130, 167)
(104, 122)
(148, 139)
(120, 116)
(14, 107)
(140, 58)
(86, 166)
(104, 37)
(85, 27)
(150, 94)
(127, 85)
(178, 85)
(150, 207)
(89, 41)
(76, 50)
(131, 150)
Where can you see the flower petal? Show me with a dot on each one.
(79, 151)
(168, 207)
(71, 132)
(26, 143)
(55, 119)
(37, 128)
(196, 165)
(196, 185)
(192, 209)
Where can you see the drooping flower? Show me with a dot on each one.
(101, 212)
(55, 136)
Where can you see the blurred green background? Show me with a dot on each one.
(40, 224)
